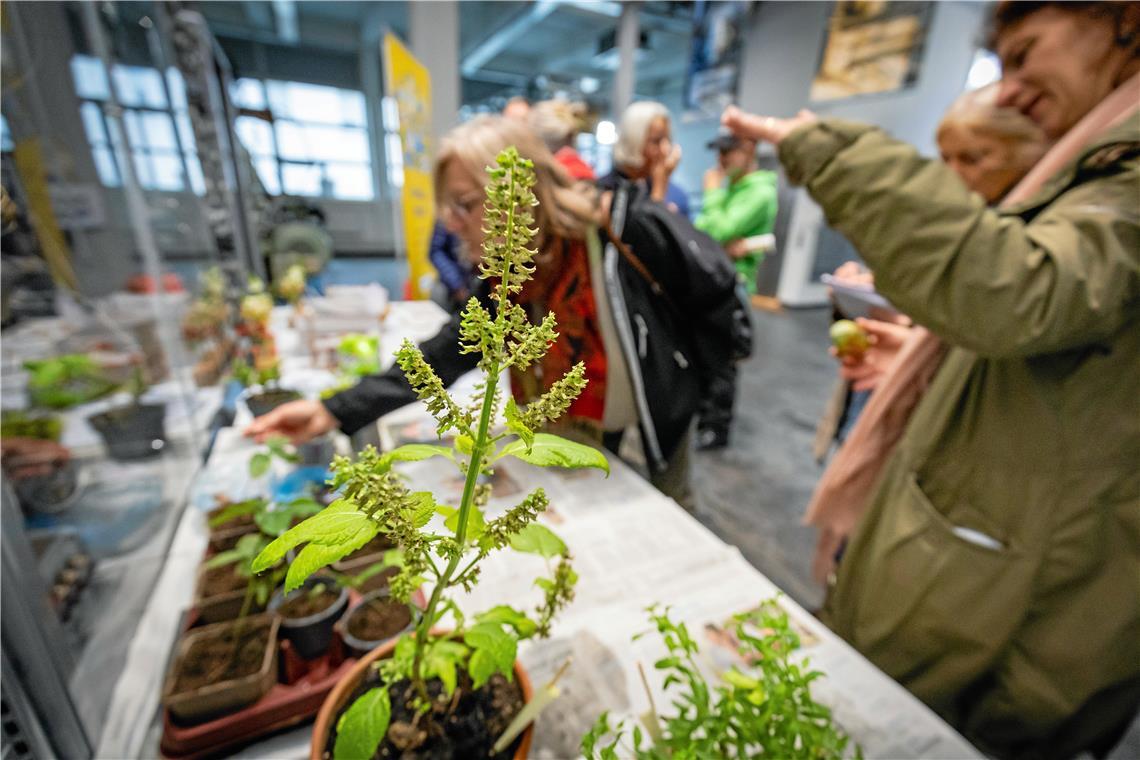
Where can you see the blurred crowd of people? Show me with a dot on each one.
(980, 520)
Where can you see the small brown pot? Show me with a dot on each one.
(225, 696)
(343, 690)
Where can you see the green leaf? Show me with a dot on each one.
(311, 559)
(221, 559)
(538, 539)
(414, 452)
(476, 523)
(341, 527)
(421, 509)
(524, 626)
(551, 451)
(258, 464)
(363, 726)
(464, 444)
(279, 447)
(236, 510)
(494, 652)
(515, 423)
(442, 660)
(274, 522)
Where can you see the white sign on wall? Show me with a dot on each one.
(77, 206)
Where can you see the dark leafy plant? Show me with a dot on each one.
(375, 501)
(762, 711)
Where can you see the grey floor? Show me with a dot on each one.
(753, 494)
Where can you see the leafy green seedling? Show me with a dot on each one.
(66, 381)
(763, 709)
(375, 501)
(275, 447)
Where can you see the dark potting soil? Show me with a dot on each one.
(305, 604)
(379, 619)
(215, 658)
(222, 580)
(466, 732)
(377, 545)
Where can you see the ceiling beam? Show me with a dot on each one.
(498, 41)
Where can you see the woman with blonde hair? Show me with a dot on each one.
(558, 123)
(565, 218)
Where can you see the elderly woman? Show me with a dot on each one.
(645, 152)
(995, 571)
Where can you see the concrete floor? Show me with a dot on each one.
(753, 494)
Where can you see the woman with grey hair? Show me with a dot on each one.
(645, 152)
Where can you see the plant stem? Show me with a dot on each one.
(479, 449)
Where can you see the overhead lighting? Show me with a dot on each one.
(588, 85)
(986, 69)
(606, 133)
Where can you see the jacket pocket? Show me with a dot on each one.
(929, 594)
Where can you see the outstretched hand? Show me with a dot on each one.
(299, 421)
(865, 371)
(763, 128)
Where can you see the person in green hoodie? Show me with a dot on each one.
(739, 203)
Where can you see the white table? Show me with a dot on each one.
(632, 547)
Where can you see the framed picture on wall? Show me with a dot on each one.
(715, 58)
(872, 46)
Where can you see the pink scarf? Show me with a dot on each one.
(847, 485)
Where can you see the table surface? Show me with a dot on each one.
(632, 547)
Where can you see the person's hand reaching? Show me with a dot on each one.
(299, 421)
(763, 128)
(864, 372)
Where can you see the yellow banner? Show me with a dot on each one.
(407, 82)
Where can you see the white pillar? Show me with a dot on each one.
(628, 35)
(433, 31)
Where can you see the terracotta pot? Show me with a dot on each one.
(343, 690)
(225, 696)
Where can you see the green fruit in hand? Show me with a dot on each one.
(850, 339)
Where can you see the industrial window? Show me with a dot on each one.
(305, 139)
(155, 118)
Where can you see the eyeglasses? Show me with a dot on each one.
(461, 208)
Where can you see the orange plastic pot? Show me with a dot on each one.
(343, 690)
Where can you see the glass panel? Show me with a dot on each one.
(105, 165)
(177, 89)
(93, 124)
(311, 103)
(352, 107)
(158, 131)
(167, 171)
(143, 171)
(90, 77)
(6, 143)
(139, 86)
(248, 93)
(351, 182)
(255, 134)
(292, 141)
(197, 181)
(347, 144)
(185, 131)
(132, 122)
(267, 173)
(301, 179)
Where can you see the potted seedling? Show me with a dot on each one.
(224, 582)
(135, 430)
(261, 370)
(357, 355)
(41, 470)
(452, 691)
(377, 617)
(222, 667)
(763, 706)
(205, 327)
(309, 614)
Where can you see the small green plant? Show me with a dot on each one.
(292, 284)
(375, 501)
(19, 424)
(66, 381)
(260, 586)
(765, 711)
(275, 447)
(271, 519)
(209, 313)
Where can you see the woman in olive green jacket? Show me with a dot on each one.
(996, 571)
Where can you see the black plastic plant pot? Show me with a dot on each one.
(49, 493)
(129, 432)
(318, 452)
(310, 635)
(399, 619)
(266, 401)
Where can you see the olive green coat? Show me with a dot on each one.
(996, 573)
